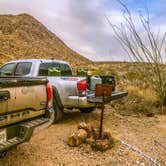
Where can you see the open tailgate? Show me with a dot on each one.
(115, 95)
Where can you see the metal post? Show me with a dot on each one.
(102, 91)
(155, 153)
(101, 117)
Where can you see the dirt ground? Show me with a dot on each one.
(48, 147)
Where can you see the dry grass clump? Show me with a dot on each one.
(139, 101)
(147, 94)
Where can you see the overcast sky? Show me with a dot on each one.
(81, 24)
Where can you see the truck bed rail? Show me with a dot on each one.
(21, 81)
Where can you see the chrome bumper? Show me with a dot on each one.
(78, 102)
(90, 100)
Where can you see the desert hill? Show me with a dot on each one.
(22, 36)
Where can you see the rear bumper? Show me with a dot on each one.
(78, 102)
(115, 95)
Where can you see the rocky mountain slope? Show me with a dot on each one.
(22, 36)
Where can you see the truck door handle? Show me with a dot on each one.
(4, 95)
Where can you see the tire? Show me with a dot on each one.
(50, 116)
(87, 110)
(58, 111)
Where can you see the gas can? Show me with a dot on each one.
(93, 81)
(50, 72)
(56, 72)
(82, 72)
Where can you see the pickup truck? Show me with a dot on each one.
(25, 103)
(69, 91)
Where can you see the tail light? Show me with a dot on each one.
(81, 86)
(49, 95)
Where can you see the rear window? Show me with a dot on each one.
(64, 68)
(23, 68)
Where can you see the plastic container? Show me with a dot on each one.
(93, 81)
(82, 72)
(56, 72)
(50, 72)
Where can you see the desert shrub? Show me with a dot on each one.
(132, 75)
(139, 101)
(99, 72)
(148, 48)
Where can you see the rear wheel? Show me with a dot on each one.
(87, 110)
(51, 115)
(58, 111)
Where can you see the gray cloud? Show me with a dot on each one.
(94, 30)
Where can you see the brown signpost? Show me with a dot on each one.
(102, 91)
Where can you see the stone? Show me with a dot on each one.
(107, 135)
(101, 145)
(82, 134)
(77, 138)
(73, 141)
(90, 140)
(86, 127)
(95, 133)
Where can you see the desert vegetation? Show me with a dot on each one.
(142, 98)
(146, 47)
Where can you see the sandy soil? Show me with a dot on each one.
(48, 147)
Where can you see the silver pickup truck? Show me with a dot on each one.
(69, 91)
(25, 103)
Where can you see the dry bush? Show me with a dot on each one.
(139, 101)
(148, 47)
